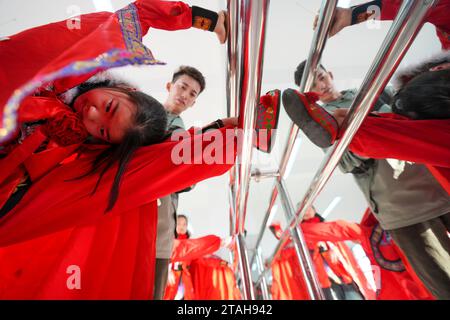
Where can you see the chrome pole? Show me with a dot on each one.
(301, 248)
(246, 54)
(260, 266)
(317, 45)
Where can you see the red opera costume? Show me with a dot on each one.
(204, 277)
(436, 16)
(288, 282)
(396, 277)
(393, 136)
(57, 242)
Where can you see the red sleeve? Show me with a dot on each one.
(389, 9)
(190, 249)
(166, 15)
(339, 230)
(389, 136)
(439, 16)
(61, 199)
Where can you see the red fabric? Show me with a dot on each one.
(438, 16)
(213, 279)
(184, 251)
(172, 287)
(392, 136)
(58, 223)
(288, 282)
(394, 284)
(191, 249)
(45, 213)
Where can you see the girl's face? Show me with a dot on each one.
(106, 113)
(181, 225)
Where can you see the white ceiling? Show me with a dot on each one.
(289, 34)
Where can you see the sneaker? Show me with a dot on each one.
(267, 120)
(318, 125)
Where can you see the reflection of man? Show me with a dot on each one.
(186, 85)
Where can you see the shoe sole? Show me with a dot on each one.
(298, 113)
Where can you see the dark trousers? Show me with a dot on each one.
(426, 245)
(161, 275)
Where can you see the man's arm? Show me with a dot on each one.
(345, 17)
(339, 230)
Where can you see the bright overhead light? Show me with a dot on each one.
(331, 207)
(103, 5)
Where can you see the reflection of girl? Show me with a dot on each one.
(59, 225)
(398, 280)
(338, 273)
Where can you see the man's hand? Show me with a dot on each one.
(342, 18)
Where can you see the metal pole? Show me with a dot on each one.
(405, 27)
(301, 248)
(246, 51)
(260, 265)
(244, 269)
(315, 53)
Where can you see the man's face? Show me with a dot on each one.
(182, 94)
(324, 86)
(310, 213)
(181, 225)
(106, 113)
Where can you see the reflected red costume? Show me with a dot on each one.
(204, 277)
(397, 279)
(392, 136)
(288, 282)
(57, 242)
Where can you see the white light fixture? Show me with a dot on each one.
(103, 5)
(331, 207)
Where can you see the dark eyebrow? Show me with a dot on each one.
(187, 85)
(195, 91)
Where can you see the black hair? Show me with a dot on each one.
(426, 96)
(407, 74)
(298, 74)
(149, 127)
(187, 221)
(191, 72)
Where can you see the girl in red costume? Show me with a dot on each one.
(338, 282)
(202, 277)
(57, 241)
(396, 277)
